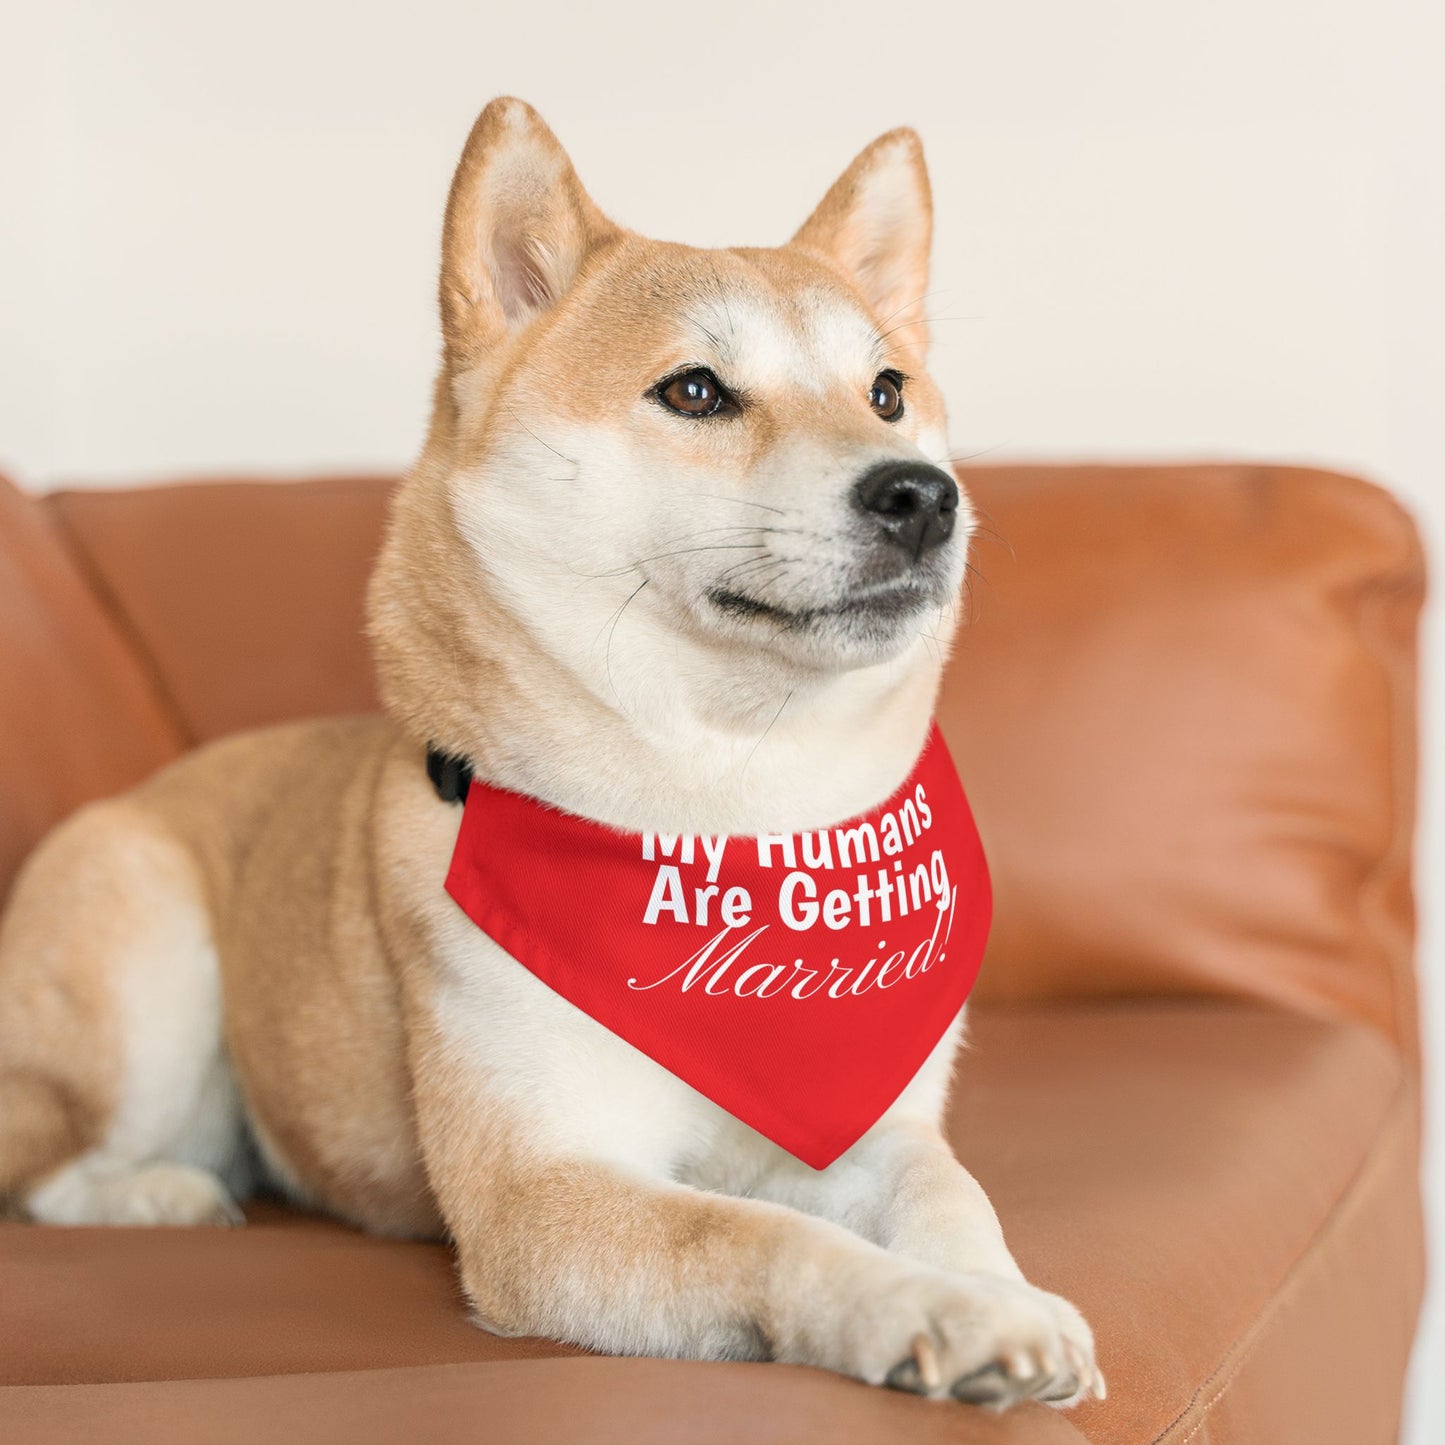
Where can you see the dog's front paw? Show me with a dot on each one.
(981, 1338)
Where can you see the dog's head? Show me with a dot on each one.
(740, 450)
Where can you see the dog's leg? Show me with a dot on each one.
(116, 1104)
(901, 1188)
(554, 1239)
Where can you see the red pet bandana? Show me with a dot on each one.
(799, 981)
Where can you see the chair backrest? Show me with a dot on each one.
(245, 596)
(79, 717)
(1185, 711)
(1183, 704)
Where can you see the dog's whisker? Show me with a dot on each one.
(690, 551)
(761, 579)
(741, 502)
(659, 556)
(807, 579)
(571, 461)
(916, 301)
(915, 321)
(746, 528)
(991, 530)
(764, 734)
(930, 641)
(607, 655)
(967, 456)
(738, 568)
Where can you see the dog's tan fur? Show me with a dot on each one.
(248, 963)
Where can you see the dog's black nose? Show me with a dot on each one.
(915, 504)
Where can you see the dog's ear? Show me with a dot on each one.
(518, 228)
(877, 223)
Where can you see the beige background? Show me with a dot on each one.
(1164, 229)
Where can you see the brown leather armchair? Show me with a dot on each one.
(1184, 710)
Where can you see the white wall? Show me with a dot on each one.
(1164, 228)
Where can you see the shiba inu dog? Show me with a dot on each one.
(678, 557)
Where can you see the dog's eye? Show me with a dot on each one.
(694, 393)
(886, 397)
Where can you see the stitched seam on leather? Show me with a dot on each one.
(124, 623)
(1241, 1350)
